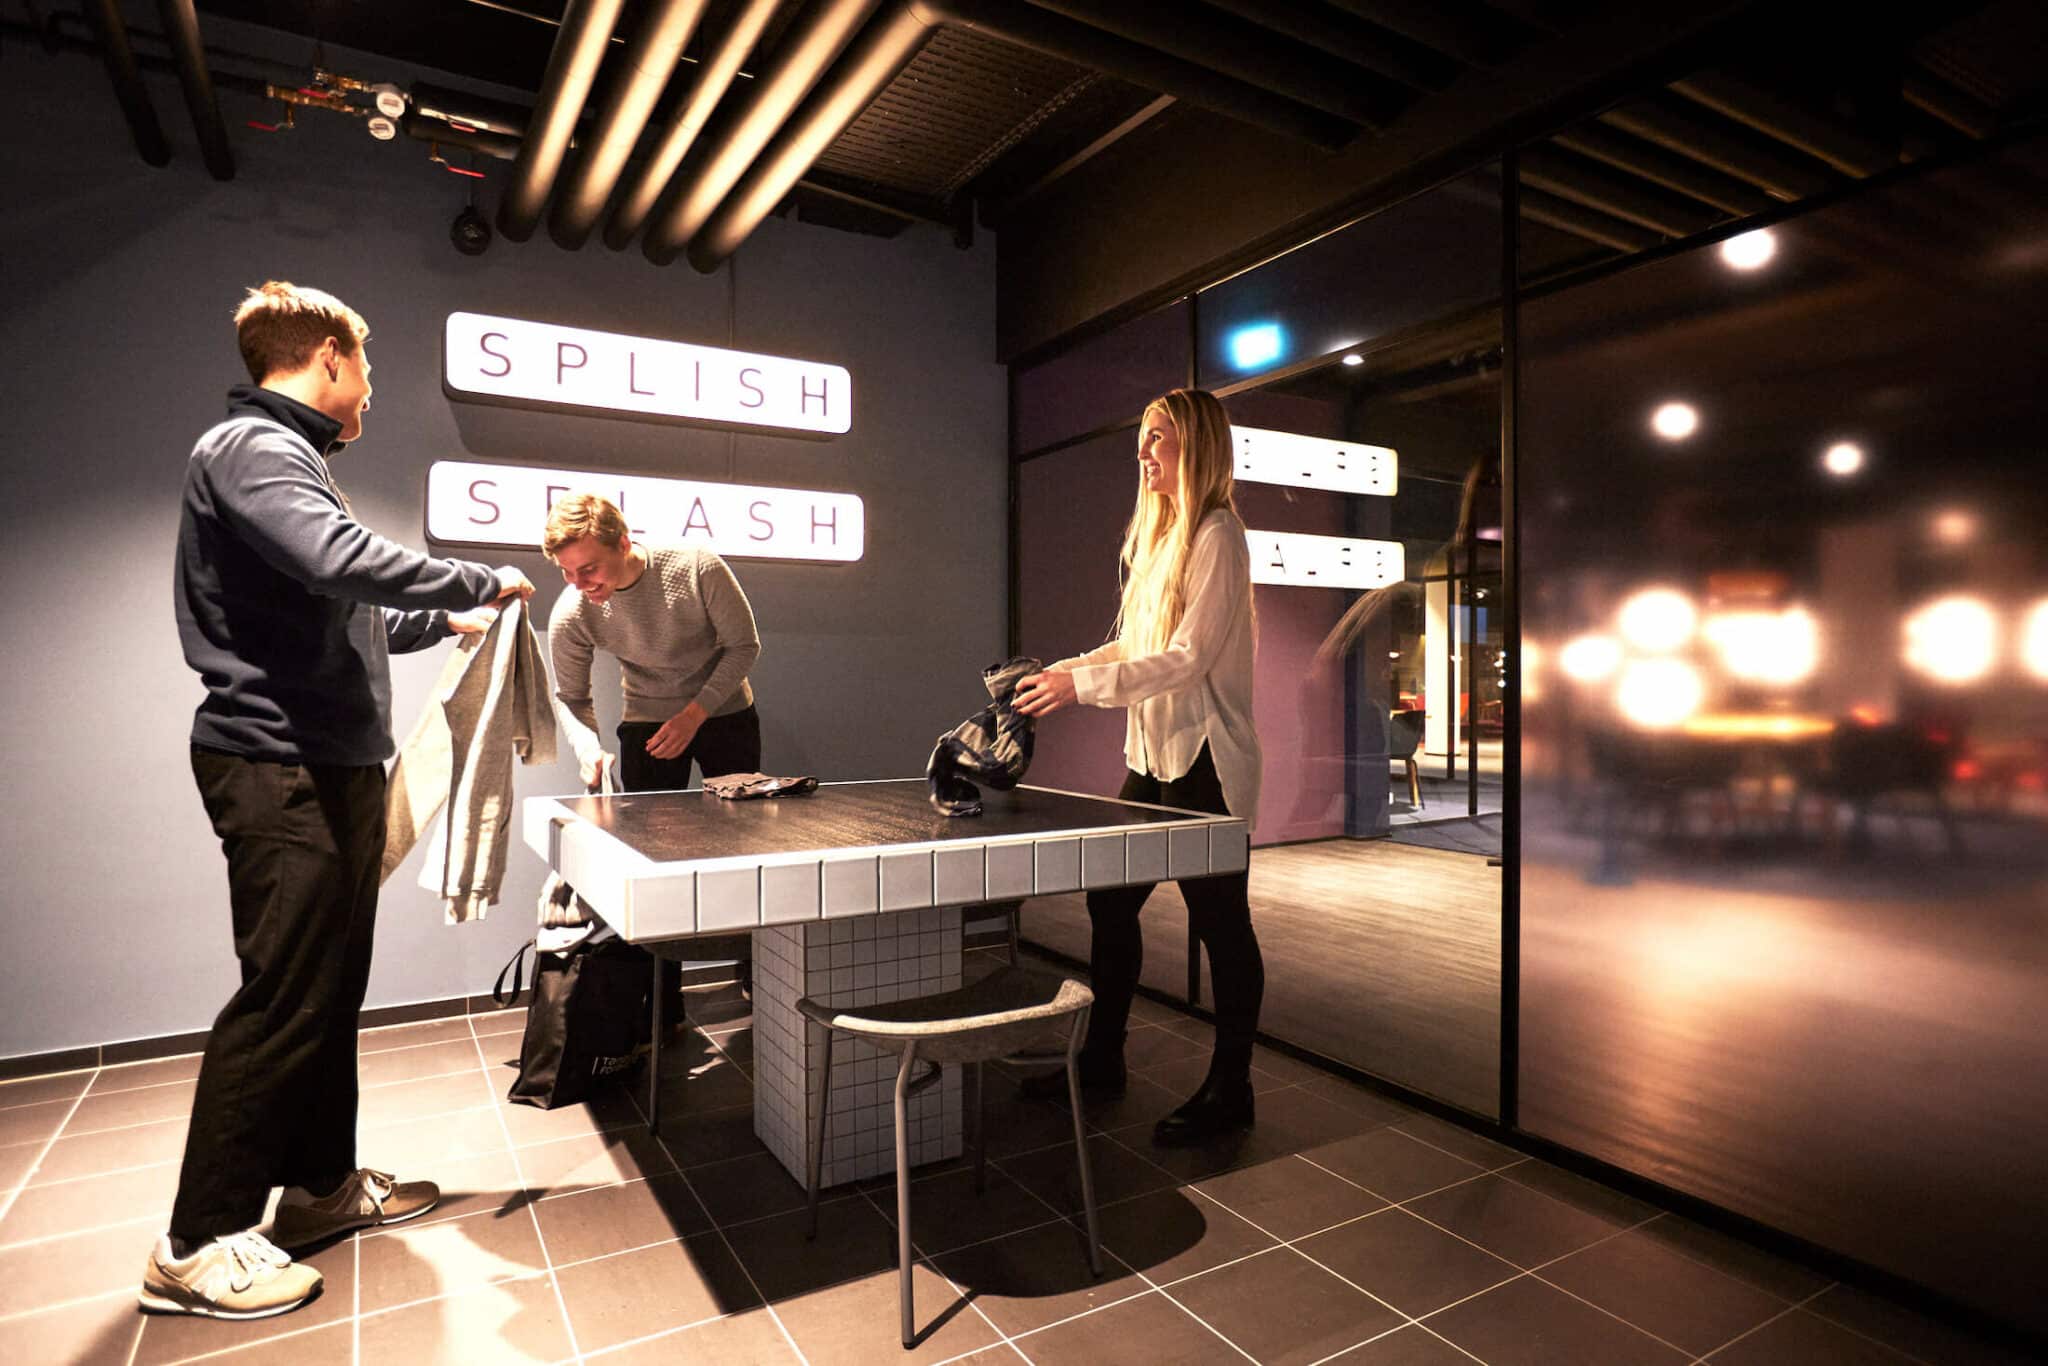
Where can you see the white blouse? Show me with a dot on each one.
(1199, 688)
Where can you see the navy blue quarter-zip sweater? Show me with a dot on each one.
(287, 606)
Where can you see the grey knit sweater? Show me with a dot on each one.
(682, 633)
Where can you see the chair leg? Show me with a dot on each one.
(1015, 919)
(903, 1192)
(654, 1056)
(816, 1156)
(1414, 785)
(980, 1084)
(1081, 1141)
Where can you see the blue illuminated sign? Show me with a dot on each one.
(1256, 344)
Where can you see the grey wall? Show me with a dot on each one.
(116, 347)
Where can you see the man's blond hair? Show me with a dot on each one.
(577, 515)
(280, 325)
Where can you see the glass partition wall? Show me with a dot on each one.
(1361, 374)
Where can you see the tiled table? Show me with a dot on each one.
(852, 894)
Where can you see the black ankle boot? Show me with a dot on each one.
(1101, 1079)
(1217, 1109)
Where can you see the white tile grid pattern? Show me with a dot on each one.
(860, 960)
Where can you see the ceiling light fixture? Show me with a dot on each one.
(1843, 459)
(1749, 250)
(1675, 421)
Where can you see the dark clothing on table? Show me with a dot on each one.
(1219, 912)
(723, 744)
(286, 604)
(276, 1104)
(993, 746)
(287, 607)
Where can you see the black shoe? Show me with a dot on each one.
(1217, 1109)
(1099, 1081)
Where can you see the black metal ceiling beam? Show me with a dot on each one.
(1841, 148)
(650, 60)
(1085, 45)
(1668, 169)
(181, 31)
(887, 45)
(580, 47)
(721, 158)
(1467, 36)
(1257, 56)
(112, 31)
(1580, 221)
(1096, 147)
(1942, 101)
(1596, 187)
(715, 75)
(1783, 177)
(1405, 64)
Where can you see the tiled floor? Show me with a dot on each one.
(1343, 1228)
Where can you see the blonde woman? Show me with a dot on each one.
(1181, 664)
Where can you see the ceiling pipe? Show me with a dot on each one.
(745, 126)
(650, 60)
(1596, 187)
(112, 31)
(1413, 66)
(1780, 176)
(1084, 45)
(1464, 33)
(580, 47)
(714, 76)
(887, 45)
(1257, 56)
(1839, 147)
(181, 31)
(1582, 222)
(1668, 169)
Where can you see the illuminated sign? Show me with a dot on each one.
(1310, 462)
(1304, 561)
(507, 505)
(510, 360)
(1256, 344)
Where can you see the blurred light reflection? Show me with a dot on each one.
(1952, 640)
(1658, 620)
(2034, 641)
(1658, 694)
(1766, 647)
(1590, 658)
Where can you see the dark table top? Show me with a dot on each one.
(668, 827)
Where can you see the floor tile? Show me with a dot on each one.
(424, 1143)
(416, 1263)
(1016, 1125)
(139, 1105)
(713, 1136)
(98, 1332)
(155, 1072)
(1512, 1221)
(332, 1345)
(496, 1023)
(1172, 1234)
(746, 1188)
(1802, 1339)
(1295, 1121)
(411, 1035)
(1149, 1046)
(1054, 1177)
(1290, 1070)
(751, 1337)
(15, 1164)
(40, 1090)
(1284, 1309)
(947, 1212)
(1409, 1264)
(1150, 1330)
(1144, 1101)
(529, 1124)
(1588, 1196)
(1184, 1076)
(36, 1124)
(1037, 1277)
(592, 1160)
(1289, 1198)
(1411, 1346)
(1358, 1099)
(429, 1096)
(142, 1145)
(173, 1337)
(1733, 1257)
(75, 1206)
(1528, 1323)
(860, 1321)
(1460, 1142)
(631, 1295)
(1909, 1332)
(1391, 1165)
(469, 1185)
(608, 1219)
(82, 1265)
(422, 1060)
(504, 1324)
(854, 1241)
(1679, 1300)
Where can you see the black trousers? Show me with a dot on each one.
(276, 1104)
(1219, 912)
(723, 744)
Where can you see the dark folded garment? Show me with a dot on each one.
(740, 787)
(992, 747)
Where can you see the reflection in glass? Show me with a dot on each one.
(1785, 832)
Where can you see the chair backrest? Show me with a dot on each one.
(1404, 734)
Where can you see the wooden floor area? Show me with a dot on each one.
(1379, 955)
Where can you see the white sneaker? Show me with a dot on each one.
(236, 1276)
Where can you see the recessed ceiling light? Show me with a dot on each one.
(1843, 459)
(1675, 421)
(1749, 250)
(1354, 359)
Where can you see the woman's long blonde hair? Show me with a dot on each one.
(1156, 544)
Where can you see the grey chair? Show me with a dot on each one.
(1013, 1015)
(1404, 736)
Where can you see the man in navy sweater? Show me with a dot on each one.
(288, 608)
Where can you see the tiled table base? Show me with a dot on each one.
(857, 961)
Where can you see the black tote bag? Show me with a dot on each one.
(587, 1020)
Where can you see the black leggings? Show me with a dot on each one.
(1220, 913)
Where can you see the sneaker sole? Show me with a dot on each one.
(155, 1303)
(278, 1236)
